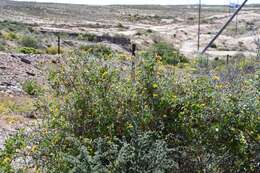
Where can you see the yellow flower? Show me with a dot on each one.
(104, 74)
(155, 95)
(155, 85)
(216, 78)
(158, 57)
(174, 97)
(90, 149)
(7, 160)
(89, 50)
(129, 126)
(34, 148)
(258, 138)
(219, 86)
(45, 131)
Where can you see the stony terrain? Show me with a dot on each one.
(16, 107)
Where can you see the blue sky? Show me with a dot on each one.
(162, 2)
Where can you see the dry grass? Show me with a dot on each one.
(15, 106)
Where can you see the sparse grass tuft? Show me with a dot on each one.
(10, 36)
(100, 51)
(167, 54)
(12, 26)
(29, 41)
(28, 50)
(32, 88)
(2, 47)
(10, 105)
(53, 50)
(87, 36)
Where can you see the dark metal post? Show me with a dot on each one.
(133, 49)
(224, 27)
(258, 49)
(199, 25)
(59, 44)
(133, 62)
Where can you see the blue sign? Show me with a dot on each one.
(234, 5)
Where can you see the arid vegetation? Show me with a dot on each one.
(117, 89)
(98, 118)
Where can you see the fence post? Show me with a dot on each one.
(258, 49)
(133, 62)
(58, 43)
(227, 62)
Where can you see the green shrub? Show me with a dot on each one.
(120, 25)
(99, 51)
(32, 88)
(101, 121)
(149, 31)
(2, 47)
(29, 41)
(87, 36)
(202, 61)
(10, 36)
(28, 50)
(167, 53)
(214, 46)
(8, 154)
(12, 26)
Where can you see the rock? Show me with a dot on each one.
(6, 84)
(25, 61)
(3, 68)
(16, 69)
(30, 74)
(250, 69)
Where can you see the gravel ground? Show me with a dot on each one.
(16, 69)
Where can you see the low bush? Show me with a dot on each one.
(99, 51)
(167, 53)
(10, 36)
(8, 154)
(28, 50)
(2, 47)
(32, 88)
(2, 44)
(149, 31)
(12, 26)
(29, 41)
(53, 50)
(120, 25)
(102, 121)
(87, 36)
(214, 46)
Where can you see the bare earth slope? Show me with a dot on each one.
(176, 24)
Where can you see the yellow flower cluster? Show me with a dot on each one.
(155, 95)
(129, 126)
(155, 85)
(104, 74)
(7, 160)
(216, 78)
(34, 148)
